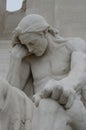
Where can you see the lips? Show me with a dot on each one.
(29, 54)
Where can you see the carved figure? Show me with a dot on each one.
(57, 67)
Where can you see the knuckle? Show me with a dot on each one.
(46, 90)
(55, 89)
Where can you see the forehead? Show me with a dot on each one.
(28, 37)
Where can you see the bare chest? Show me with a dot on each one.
(55, 64)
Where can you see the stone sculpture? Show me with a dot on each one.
(57, 67)
(16, 109)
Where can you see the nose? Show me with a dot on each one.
(30, 49)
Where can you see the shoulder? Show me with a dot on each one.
(76, 44)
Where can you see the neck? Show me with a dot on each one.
(55, 42)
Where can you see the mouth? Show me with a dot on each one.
(28, 54)
(34, 53)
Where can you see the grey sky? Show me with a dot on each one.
(13, 5)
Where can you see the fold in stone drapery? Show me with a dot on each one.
(32, 23)
(17, 110)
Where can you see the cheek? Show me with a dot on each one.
(41, 46)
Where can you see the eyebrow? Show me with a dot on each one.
(32, 41)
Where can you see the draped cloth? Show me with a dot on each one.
(17, 112)
(32, 24)
(16, 109)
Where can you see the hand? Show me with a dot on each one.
(19, 51)
(36, 99)
(65, 95)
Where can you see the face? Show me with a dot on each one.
(35, 42)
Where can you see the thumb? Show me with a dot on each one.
(36, 99)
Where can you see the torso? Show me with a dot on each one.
(53, 65)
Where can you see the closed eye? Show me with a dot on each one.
(31, 43)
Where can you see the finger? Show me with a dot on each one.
(63, 98)
(36, 99)
(56, 92)
(70, 102)
(46, 92)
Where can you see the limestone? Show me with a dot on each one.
(16, 110)
(5, 46)
(57, 67)
(46, 65)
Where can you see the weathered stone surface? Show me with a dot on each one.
(5, 46)
(57, 67)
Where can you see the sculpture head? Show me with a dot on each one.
(36, 43)
(31, 32)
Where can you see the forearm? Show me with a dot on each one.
(76, 83)
(77, 75)
(19, 52)
(18, 70)
(77, 114)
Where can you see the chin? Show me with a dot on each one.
(39, 54)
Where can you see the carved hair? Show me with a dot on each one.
(32, 23)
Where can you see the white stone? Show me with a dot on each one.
(16, 110)
(57, 67)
